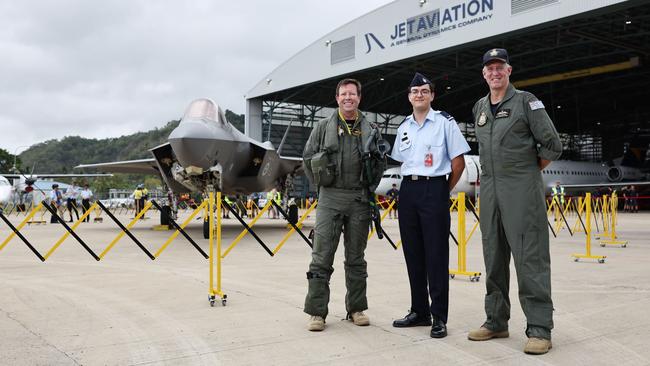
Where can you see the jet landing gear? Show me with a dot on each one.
(206, 229)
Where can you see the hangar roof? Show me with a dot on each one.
(585, 59)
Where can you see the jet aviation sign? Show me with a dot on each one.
(432, 23)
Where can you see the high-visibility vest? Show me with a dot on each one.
(558, 192)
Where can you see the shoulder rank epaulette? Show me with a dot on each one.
(447, 115)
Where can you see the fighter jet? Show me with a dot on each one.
(206, 151)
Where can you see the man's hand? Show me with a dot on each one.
(542, 163)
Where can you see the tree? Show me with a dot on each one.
(7, 161)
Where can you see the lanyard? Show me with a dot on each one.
(345, 123)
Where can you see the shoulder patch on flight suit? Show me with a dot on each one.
(482, 120)
(447, 116)
(536, 104)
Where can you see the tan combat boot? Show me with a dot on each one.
(483, 334)
(359, 318)
(316, 323)
(537, 346)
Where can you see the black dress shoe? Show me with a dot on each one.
(438, 329)
(412, 319)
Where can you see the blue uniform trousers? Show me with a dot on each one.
(424, 228)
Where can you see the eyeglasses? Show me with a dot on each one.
(423, 92)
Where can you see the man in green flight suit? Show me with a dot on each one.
(333, 161)
(517, 140)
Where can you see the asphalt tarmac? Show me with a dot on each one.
(129, 310)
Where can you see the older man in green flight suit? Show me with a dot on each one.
(333, 161)
(517, 140)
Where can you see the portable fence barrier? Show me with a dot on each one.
(212, 208)
(612, 209)
(463, 239)
(587, 228)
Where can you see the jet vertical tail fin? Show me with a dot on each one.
(284, 138)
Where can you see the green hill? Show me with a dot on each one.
(60, 156)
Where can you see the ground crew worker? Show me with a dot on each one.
(272, 212)
(557, 192)
(86, 194)
(393, 197)
(145, 197)
(429, 145)
(71, 200)
(137, 199)
(56, 201)
(333, 162)
(517, 140)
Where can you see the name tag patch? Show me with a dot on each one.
(536, 104)
(504, 113)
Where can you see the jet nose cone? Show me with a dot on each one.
(193, 144)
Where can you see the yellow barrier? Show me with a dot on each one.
(302, 218)
(599, 258)
(147, 206)
(214, 292)
(462, 244)
(67, 233)
(21, 225)
(182, 226)
(613, 208)
(245, 231)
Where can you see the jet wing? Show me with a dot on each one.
(38, 175)
(141, 166)
(604, 185)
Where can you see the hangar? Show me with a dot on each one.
(587, 60)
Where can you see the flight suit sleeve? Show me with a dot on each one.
(549, 146)
(311, 147)
(380, 166)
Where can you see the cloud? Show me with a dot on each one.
(105, 69)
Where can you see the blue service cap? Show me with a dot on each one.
(498, 54)
(419, 80)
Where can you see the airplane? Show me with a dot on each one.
(21, 186)
(5, 190)
(206, 152)
(570, 174)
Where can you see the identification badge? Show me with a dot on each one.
(482, 120)
(340, 131)
(428, 159)
(504, 113)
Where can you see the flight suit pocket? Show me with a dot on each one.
(529, 256)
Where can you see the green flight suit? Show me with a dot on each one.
(513, 210)
(342, 207)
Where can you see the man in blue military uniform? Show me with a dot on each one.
(430, 146)
(517, 140)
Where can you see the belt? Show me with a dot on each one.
(421, 177)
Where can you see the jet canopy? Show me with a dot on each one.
(204, 109)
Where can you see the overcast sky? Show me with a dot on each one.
(108, 68)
